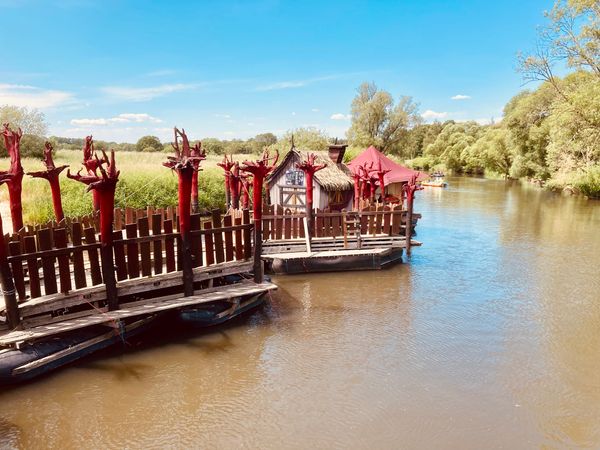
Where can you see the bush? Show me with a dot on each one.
(149, 144)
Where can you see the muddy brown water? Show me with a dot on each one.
(488, 338)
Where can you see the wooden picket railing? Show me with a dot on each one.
(63, 262)
(279, 223)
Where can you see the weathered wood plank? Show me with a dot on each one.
(208, 241)
(78, 264)
(157, 244)
(239, 244)
(169, 246)
(228, 238)
(64, 269)
(95, 272)
(32, 267)
(218, 236)
(143, 231)
(119, 250)
(14, 248)
(133, 263)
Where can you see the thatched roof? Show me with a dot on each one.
(334, 177)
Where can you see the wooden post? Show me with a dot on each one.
(52, 175)
(259, 169)
(12, 141)
(8, 285)
(410, 188)
(309, 168)
(104, 186)
(185, 162)
(226, 165)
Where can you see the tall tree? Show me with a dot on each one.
(376, 120)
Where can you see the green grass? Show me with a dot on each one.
(143, 182)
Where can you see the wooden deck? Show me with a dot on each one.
(149, 306)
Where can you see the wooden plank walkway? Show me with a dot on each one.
(148, 307)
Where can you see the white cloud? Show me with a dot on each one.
(121, 118)
(293, 113)
(461, 97)
(429, 115)
(315, 110)
(144, 94)
(340, 116)
(223, 116)
(32, 97)
(160, 73)
(295, 83)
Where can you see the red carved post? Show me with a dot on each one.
(91, 163)
(226, 165)
(234, 185)
(52, 175)
(245, 186)
(196, 151)
(259, 169)
(6, 279)
(12, 141)
(309, 168)
(357, 188)
(380, 174)
(104, 186)
(185, 163)
(410, 188)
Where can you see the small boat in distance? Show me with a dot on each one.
(436, 179)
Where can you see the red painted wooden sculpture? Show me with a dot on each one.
(245, 187)
(52, 174)
(6, 280)
(104, 186)
(235, 185)
(226, 165)
(259, 170)
(185, 163)
(409, 189)
(12, 141)
(309, 168)
(199, 153)
(357, 188)
(380, 174)
(91, 162)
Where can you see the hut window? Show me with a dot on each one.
(336, 197)
(294, 177)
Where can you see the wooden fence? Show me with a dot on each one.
(281, 224)
(145, 244)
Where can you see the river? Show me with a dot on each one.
(489, 337)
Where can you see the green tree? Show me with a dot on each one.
(149, 144)
(33, 124)
(377, 121)
(451, 147)
(493, 151)
(304, 139)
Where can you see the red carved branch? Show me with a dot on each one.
(226, 165)
(259, 169)
(12, 141)
(309, 168)
(197, 152)
(52, 175)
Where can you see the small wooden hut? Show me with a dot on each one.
(333, 185)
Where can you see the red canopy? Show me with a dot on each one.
(396, 174)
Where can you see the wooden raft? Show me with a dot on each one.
(227, 293)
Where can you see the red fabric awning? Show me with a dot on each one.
(396, 174)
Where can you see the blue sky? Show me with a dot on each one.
(120, 70)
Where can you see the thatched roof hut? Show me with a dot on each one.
(333, 184)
